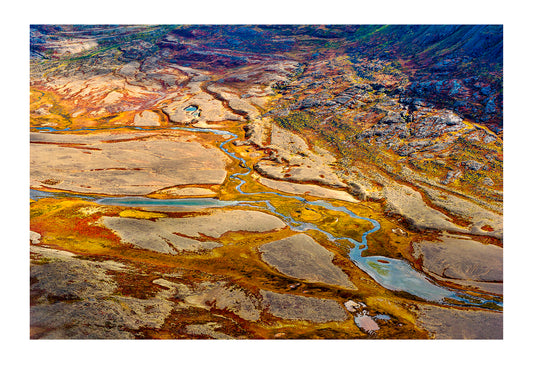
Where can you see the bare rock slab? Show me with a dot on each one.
(173, 235)
(147, 118)
(459, 258)
(408, 203)
(465, 261)
(228, 297)
(300, 256)
(128, 164)
(303, 308)
(449, 323)
(302, 188)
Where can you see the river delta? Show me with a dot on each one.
(174, 195)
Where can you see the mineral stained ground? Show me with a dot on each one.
(266, 182)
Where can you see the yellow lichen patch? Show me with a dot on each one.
(306, 214)
(71, 224)
(299, 329)
(136, 214)
(91, 210)
(391, 307)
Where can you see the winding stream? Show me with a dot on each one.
(393, 274)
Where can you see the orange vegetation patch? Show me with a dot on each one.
(71, 224)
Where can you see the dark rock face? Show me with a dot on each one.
(238, 38)
(455, 63)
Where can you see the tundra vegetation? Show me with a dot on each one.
(266, 182)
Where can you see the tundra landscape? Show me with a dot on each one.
(266, 182)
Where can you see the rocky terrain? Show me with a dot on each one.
(225, 182)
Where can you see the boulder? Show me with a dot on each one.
(451, 176)
(392, 118)
(472, 165)
(488, 182)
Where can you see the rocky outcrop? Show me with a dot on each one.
(149, 235)
(225, 296)
(75, 299)
(404, 201)
(483, 221)
(452, 176)
(472, 165)
(303, 308)
(258, 132)
(237, 103)
(300, 256)
(35, 237)
(291, 159)
(304, 174)
(210, 109)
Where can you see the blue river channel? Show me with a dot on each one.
(393, 274)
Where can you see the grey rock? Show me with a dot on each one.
(343, 99)
(174, 235)
(405, 150)
(462, 259)
(300, 256)
(75, 299)
(392, 117)
(303, 308)
(488, 182)
(472, 165)
(419, 143)
(310, 102)
(451, 176)
(448, 323)
(208, 329)
(226, 296)
(404, 201)
(451, 119)
(489, 139)
(88, 331)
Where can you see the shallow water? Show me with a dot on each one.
(393, 274)
(133, 201)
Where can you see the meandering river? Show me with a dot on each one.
(393, 274)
